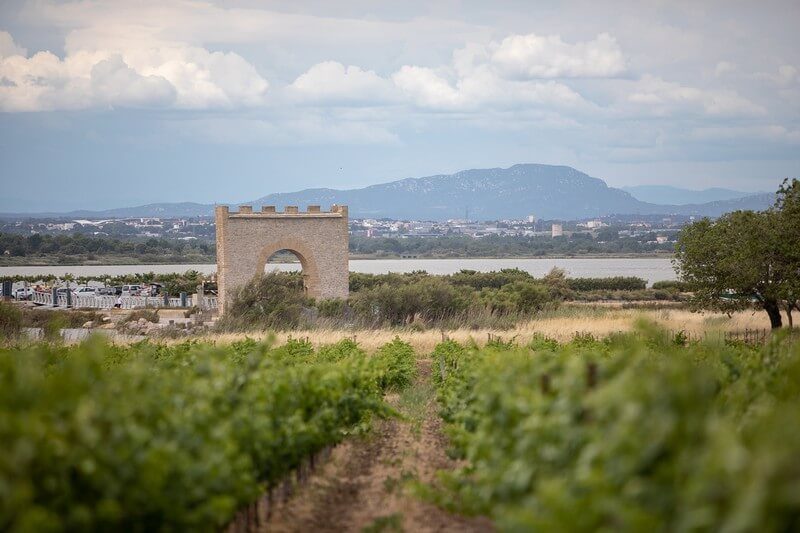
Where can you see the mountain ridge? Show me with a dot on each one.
(546, 191)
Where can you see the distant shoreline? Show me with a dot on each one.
(649, 268)
(131, 261)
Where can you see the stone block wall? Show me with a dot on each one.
(246, 240)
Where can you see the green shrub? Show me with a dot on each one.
(10, 320)
(51, 330)
(627, 295)
(397, 364)
(540, 343)
(341, 350)
(332, 308)
(295, 351)
(419, 300)
(168, 438)
(672, 285)
(73, 318)
(360, 281)
(523, 297)
(497, 342)
(275, 300)
(430, 298)
(491, 280)
(638, 432)
(660, 294)
(558, 285)
(422, 300)
(618, 283)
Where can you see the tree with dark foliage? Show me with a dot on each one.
(745, 257)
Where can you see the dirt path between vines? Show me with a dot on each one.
(361, 486)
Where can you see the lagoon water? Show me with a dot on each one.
(652, 269)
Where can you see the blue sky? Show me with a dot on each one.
(110, 104)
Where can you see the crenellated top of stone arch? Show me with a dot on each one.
(266, 211)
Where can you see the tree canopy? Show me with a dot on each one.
(746, 257)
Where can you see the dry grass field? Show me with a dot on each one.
(561, 325)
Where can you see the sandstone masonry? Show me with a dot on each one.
(247, 239)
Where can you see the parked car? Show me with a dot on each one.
(107, 291)
(23, 293)
(131, 290)
(85, 291)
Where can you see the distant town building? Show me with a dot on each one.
(661, 239)
(557, 230)
(531, 219)
(593, 224)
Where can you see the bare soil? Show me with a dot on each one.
(361, 487)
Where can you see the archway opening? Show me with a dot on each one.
(290, 262)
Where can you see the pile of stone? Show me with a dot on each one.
(146, 328)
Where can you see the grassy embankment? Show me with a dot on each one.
(561, 324)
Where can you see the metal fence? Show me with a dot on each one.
(127, 302)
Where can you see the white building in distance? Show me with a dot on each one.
(557, 230)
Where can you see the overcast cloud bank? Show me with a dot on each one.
(607, 88)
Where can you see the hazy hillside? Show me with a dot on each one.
(549, 192)
(543, 190)
(757, 202)
(546, 191)
(666, 194)
(177, 209)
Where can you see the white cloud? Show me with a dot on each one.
(535, 56)
(788, 74)
(571, 75)
(115, 83)
(202, 79)
(40, 82)
(724, 67)
(784, 77)
(653, 95)
(8, 47)
(183, 76)
(509, 74)
(427, 88)
(157, 54)
(294, 31)
(332, 82)
(479, 88)
(768, 132)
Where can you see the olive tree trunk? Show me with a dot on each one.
(774, 311)
(789, 308)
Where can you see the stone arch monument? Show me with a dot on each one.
(247, 239)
